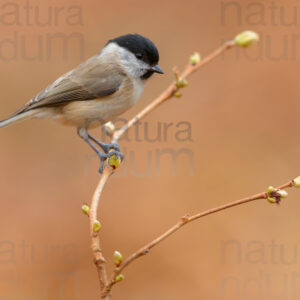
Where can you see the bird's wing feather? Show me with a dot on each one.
(88, 81)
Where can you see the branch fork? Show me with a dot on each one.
(273, 195)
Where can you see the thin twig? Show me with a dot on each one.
(183, 221)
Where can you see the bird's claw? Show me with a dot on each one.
(112, 146)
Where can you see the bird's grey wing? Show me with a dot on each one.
(90, 80)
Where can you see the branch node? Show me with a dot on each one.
(99, 261)
(275, 195)
(185, 218)
(180, 82)
(145, 251)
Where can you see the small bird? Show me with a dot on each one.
(97, 91)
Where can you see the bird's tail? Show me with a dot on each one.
(17, 118)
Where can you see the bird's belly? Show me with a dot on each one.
(93, 113)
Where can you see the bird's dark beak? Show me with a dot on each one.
(157, 69)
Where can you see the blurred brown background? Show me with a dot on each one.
(243, 110)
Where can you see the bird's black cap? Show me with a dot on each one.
(140, 46)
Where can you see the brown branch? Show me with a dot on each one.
(99, 259)
(106, 285)
(169, 92)
(183, 221)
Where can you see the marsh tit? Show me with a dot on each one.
(97, 91)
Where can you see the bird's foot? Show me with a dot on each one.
(106, 147)
(111, 146)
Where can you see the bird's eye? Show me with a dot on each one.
(139, 55)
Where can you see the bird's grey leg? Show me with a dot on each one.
(105, 147)
(83, 133)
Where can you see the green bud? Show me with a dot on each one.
(297, 181)
(97, 226)
(181, 83)
(85, 209)
(195, 59)
(177, 94)
(110, 126)
(270, 190)
(119, 278)
(282, 193)
(246, 38)
(114, 161)
(118, 257)
(272, 200)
